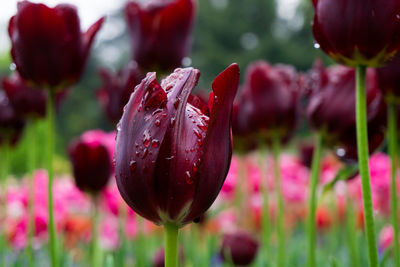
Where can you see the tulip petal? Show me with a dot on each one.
(218, 143)
(141, 130)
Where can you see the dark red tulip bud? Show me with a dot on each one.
(357, 32)
(91, 161)
(116, 89)
(159, 257)
(389, 79)
(268, 103)
(11, 124)
(331, 107)
(239, 248)
(27, 101)
(172, 159)
(48, 47)
(160, 32)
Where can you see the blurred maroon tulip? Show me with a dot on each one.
(331, 107)
(357, 32)
(91, 160)
(160, 32)
(389, 79)
(159, 257)
(268, 103)
(239, 248)
(48, 47)
(26, 100)
(116, 90)
(11, 124)
(172, 159)
(243, 141)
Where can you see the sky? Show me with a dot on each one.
(90, 12)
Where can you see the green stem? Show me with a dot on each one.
(4, 169)
(171, 245)
(96, 261)
(50, 152)
(351, 233)
(265, 209)
(363, 155)
(31, 164)
(315, 170)
(392, 141)
(278, 184)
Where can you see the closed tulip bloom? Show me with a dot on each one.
(268, 103)
(27, 101)
(389, 79)
(116, 89)
(357, 32)
(160, 32)
(171, 158)
(239, 247)
(48, 47)
(331, 108)
(11, 124)
(91, 161)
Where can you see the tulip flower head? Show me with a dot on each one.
(27, 101)
(160, 32)
(268, 103)
(48, 47)
(171, 158)
(116, 90)
(239, 247)
(11, 124)
(367, 33)
(331, 108)
(92, 162)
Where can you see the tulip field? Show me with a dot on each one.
(202, 155)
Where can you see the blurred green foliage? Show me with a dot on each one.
(226, 31)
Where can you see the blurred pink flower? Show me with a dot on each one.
(386, 237)
(380, 184)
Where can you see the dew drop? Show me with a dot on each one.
(137, 154)
(146, 139)
(202, 127)
(13, 66)
(155, 143)
(114, 162)
(172, 123)
(398, 16)
(197, 133)
(176, 103)
(188, 177)
(157, 123)
(194, 167)
(145, 153)
(132, 165)
(200, 142)
(317, 46)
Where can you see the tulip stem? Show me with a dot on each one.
(278, 187)
(315, 170)
(171, 245)
(392, 141)
(95, 234)
(31, 164)
(4, 169)
(50, 152)
(363, 155)
(265, 209)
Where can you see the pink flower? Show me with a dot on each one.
(386, 237)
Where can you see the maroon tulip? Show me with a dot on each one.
(11, 124)
(27, 101)
(172, 159)
(358, 32)
(160, 32)
(268, 103)
(48, 47)
(331, 107)
(117, 89)
(239, 248)
(389, 79)
(91, 160)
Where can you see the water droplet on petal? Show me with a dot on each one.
(157, 123)
(146, 139)
(188, 177)
(155, 143)
(197, 133)
(317, 46)
(132, 165)
(172, 123)
(145, 153)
